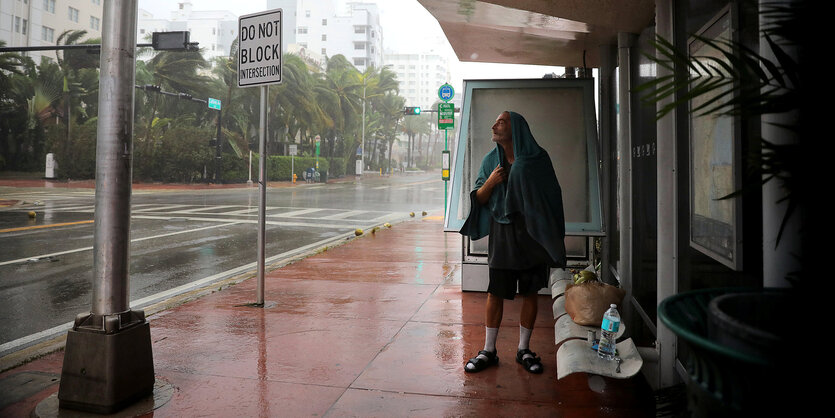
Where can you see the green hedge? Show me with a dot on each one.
(278, 167)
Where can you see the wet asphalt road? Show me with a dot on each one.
(178, 237)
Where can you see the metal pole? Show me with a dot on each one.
(446, 182)
(362, 156)
(262, 201)
(108, 359)
(218, 149)
(114, 155)
(249, 182)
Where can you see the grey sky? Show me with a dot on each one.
(407, 27)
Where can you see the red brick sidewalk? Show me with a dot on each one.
(376, 327)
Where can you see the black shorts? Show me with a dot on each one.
(503, 282)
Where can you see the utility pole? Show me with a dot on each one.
(108, 362)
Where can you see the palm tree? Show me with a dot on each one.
(71, 64)
(11, 65)
(295, 99)
(340, 99)
(391, 108)
(172, 71)
(414, 126)
(29, 104)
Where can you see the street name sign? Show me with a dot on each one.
(259, 48)
(446, 115)
(214, 104)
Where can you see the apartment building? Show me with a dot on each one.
(214, 30)
(318, 28)
(420, 75)
(41, 22)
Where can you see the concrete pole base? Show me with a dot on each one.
(109, 368)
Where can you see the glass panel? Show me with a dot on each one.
(714, 227)
(561, 116)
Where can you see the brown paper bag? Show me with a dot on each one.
(587, 302)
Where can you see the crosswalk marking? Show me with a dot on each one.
(205, 209)
(164, 207)
(343, 215)
(296, 212)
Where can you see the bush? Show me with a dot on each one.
(183, 154)
(78, 160)
(278, 167)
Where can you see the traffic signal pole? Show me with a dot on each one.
(108, 363)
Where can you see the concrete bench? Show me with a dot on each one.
(575, 353)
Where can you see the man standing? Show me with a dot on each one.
(517, 201)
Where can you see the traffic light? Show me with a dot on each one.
(412, 110)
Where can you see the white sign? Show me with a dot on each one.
(294, 150)
(259, 48)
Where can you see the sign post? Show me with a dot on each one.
(293, 151)
(446, 121)
(259, 64)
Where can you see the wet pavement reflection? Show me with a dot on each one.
(375, 327)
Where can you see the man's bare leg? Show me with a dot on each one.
(530, 306)
(493, 311)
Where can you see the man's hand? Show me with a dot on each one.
(498, 175)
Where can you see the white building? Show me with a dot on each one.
(214, 30)
(41, 22)
(420, 76)
(318, 27)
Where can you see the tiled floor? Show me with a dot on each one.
(375, 327)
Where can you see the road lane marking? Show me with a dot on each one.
(76, 250)
(26, 228)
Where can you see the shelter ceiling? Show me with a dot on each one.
(541, 32)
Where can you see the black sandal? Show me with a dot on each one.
(529, 362)
(481, 364)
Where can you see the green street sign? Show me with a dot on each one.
(214, 104)
(446, 116)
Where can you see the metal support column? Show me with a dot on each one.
(624, 147)
(608, 145)
(667, 281)
(108, 363)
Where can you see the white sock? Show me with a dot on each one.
(524, 337)
(490, 335)
(524, 342)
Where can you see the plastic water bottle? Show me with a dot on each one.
(608, 330)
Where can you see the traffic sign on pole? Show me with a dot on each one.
(446, 115)
(214, 104)
(259, 49)
(446, 92)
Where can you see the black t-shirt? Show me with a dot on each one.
(511, 247)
